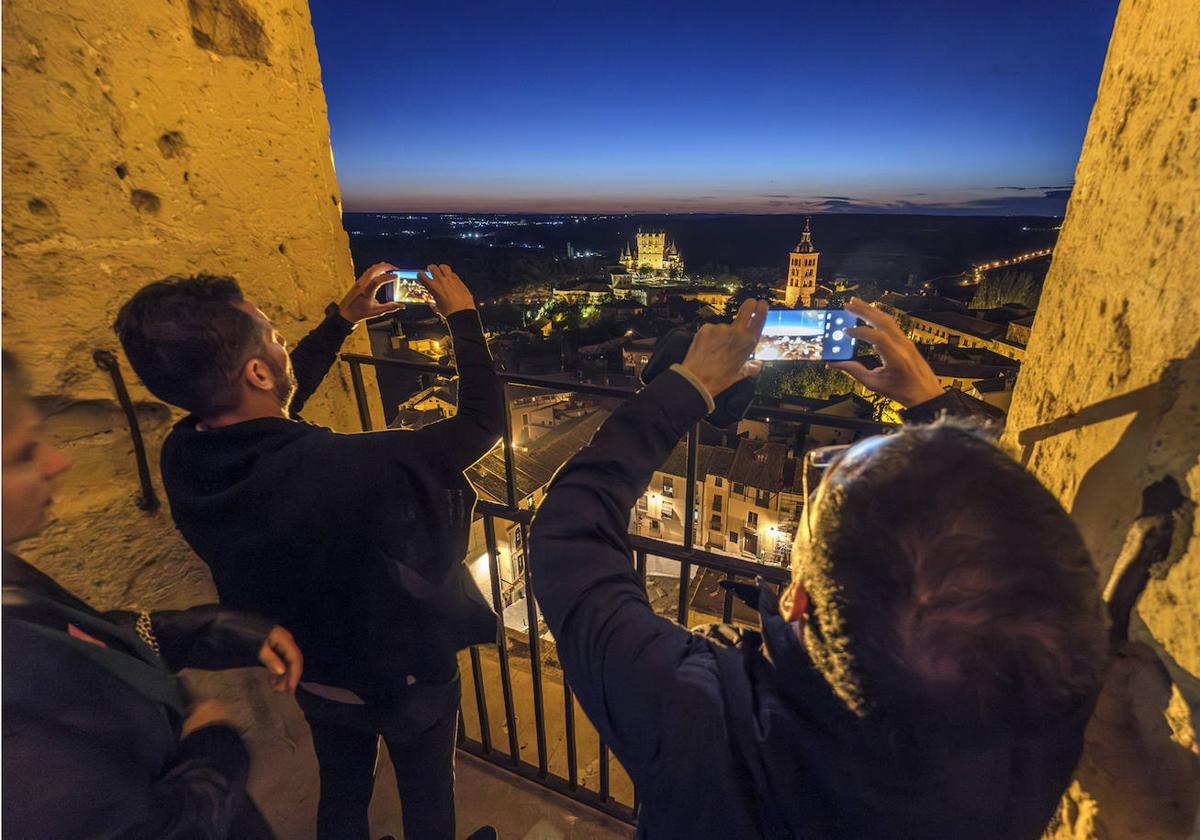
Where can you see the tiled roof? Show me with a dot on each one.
(710, 460)
(760, 465)
(962, 323)
(536, 464)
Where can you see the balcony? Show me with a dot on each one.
(519, 718)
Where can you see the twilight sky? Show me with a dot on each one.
(940, 106)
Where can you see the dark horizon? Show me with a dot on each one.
(702, 213)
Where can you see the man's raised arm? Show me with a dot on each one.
(613, 647)
(479, 420)
(315, 354)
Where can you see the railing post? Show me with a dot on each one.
(360, 395)
(510, 718)
(727, 606)
(604, 791)
(535, 664)
(569, 719)
(510, 468)
(689, 522)
(485, 728)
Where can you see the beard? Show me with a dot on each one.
(285, 383)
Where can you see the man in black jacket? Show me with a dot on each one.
(928, 673)
(355, 541)
(100, 737)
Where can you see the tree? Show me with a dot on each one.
(748, 289)
(802, 379)
(1012, 286)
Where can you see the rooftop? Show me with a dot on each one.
(534, 465)
(962, 323)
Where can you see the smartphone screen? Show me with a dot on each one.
(805, 335)
(403, 287)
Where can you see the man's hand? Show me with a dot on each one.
(282, 658)
(904, 376)
(450, 294)
(360, 303)
(720, 353)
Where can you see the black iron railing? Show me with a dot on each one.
(686, 555)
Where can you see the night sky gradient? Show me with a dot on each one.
(891, 106)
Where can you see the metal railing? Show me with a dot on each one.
(686, 555)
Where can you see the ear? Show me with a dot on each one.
(258, 375)
(794, 603)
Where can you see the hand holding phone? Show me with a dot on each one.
(904, 376)
(803, 335)
(403, 286)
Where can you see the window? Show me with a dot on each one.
(668, 509)
(733, 537)
(655, 525)
(668, 487)
(524, 419)
(717, 504)
(718, 482)
(740, 489)
(715, 524)
(642, 504)
(752, 520)
(750, 543)
(762, 498)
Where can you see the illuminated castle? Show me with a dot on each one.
(802, 271)
(653, 252)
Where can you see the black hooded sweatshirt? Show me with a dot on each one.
(731, 733)
(355, 542)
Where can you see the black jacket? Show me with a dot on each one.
(91, 731)
(354, 542)
(732, 733)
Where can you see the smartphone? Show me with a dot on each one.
(403, 287)
(806, 335)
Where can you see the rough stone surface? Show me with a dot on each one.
(141, 140)
(1108, 404)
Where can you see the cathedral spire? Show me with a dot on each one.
(806, 245)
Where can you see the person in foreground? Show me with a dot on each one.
(355, 541)
(100, 738)
(928, 672)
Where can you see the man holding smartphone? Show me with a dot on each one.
(928, 672)
(355, 541)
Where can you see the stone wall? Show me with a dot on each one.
(1107, 412)
(140, 140)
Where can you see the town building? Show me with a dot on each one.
(636, 354)
(715, 297)
(585, 291)
(654, 252)
(747, 500)
(802, 271)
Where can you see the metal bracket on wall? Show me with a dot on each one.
(1147, 544)
(106, 361)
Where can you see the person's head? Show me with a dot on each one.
(946, 586)
(29, 463)
(197, 343)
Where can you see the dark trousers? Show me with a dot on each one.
(420, 739)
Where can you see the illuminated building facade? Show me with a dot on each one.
(654, 252)
(802, 271)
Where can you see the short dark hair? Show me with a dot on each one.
(186, 339)
(950, 588)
